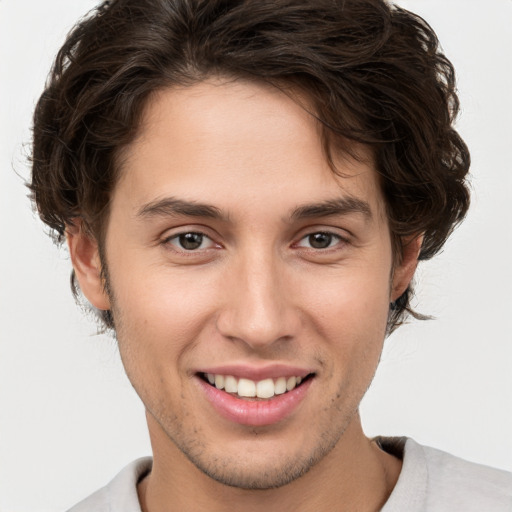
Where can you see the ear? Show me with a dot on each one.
(404, 271)
(85, 258)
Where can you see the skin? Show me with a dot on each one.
(255, 292)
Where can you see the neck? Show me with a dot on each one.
(355, 475)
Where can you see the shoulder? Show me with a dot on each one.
(120, 494)
(433, 480)
(466, 484)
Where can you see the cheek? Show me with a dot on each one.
(352, 300)
(350, 315)
(161, 311)
(158, 323)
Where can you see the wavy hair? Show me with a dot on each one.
(373, 72)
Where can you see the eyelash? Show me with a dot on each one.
(178, 236)
(330, 235)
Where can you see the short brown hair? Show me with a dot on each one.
(373, 72)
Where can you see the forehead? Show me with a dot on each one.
(220, 139)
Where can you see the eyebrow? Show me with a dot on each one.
(170, 206)
(341, 206)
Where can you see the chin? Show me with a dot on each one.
(269, 476)
(260, 466)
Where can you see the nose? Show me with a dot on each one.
(259, 306)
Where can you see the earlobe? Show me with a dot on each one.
(404, 270)
(83, 249)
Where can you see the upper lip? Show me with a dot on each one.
(257, 373)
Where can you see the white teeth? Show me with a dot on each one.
(265, 388)
(246, 387)
(280, 386)
(219, 381)
(290, 383)
(230, 384)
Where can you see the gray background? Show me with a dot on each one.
(69, 419)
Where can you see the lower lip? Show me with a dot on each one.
(255, 413)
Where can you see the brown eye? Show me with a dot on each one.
(321, 240)
(190, 241)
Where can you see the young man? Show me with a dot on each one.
(246, 189)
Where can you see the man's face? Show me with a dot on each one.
(234, 250)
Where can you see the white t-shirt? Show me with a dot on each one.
(430, 481)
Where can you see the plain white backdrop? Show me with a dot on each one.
(69, 419)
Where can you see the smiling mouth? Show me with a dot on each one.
(248, 389)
